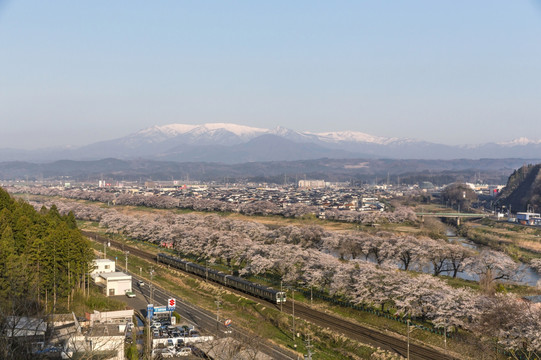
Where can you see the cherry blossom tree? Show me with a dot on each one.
(514, 322)
(536, 265)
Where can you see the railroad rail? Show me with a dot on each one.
(349, 329)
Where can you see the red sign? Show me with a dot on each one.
(228, 322)
(171, 303)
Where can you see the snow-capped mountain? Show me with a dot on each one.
(213, 133)
(232, 143)
(520, 142)
(216, 132)
(352, 136)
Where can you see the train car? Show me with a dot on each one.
(197, 269)
(256, 289)
(173, 261)
(216, 276)
(227, 280)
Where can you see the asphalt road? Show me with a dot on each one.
(203, 320)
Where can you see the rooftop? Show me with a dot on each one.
(103, 261)
(115, 275)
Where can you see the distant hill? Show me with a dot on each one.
(523, 189)
(439, 172)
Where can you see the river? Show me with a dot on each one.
(526, 275)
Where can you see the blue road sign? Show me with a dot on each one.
(150, 311)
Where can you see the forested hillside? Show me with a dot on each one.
(523, 189)
(43, 258)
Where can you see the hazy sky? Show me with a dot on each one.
(447, 71)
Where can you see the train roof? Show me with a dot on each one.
(212, 271)
(246, 282)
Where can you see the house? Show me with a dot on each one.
(17, 326)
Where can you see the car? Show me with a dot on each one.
(185, 351)
(141, 283)
(130, 294)
(167, 354)
(162, 353)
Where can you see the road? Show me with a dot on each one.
(203, 320)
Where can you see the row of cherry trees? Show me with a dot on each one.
(210, 236)
(401, 214)
(312, 256)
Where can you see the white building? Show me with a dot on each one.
(114, 283)
(312, 184)
(103, 266)
(99, 341)
(17, 326)
(110, 317)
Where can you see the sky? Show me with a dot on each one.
(449, 71)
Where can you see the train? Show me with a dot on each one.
(234, 282)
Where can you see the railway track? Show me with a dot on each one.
(364, 334)
(347, 328)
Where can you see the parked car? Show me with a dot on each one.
(155, 325)
(162, 353)
(130, 294)
(185, 351)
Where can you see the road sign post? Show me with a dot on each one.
(171, 303)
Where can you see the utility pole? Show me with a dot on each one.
(150, 285)
(445, 337)
(293, 313)
(408, 339)
(127, 253)
(218, 307)
(308, 348)
(281, 290)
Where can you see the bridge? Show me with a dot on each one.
(456, 216)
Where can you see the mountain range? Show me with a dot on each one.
(232, 143)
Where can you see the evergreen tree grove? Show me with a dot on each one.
(43, 257)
